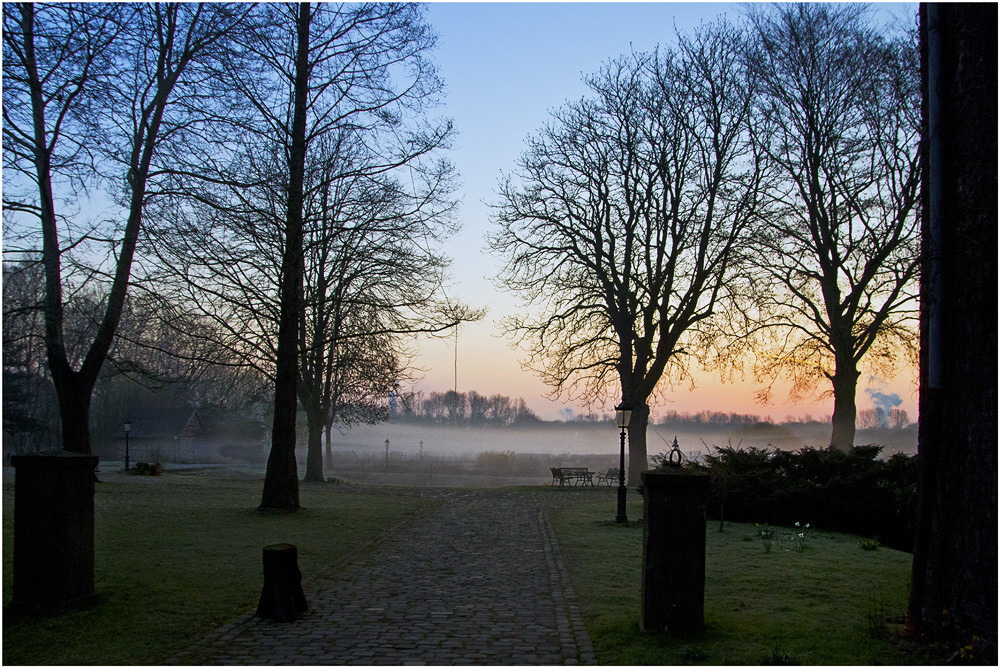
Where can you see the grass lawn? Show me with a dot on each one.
(178, 555)
(825, 604)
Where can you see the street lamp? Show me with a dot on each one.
(623, 413)
(386, 454)
(127, 426)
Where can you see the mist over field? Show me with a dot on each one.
(559, 439)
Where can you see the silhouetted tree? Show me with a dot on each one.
(328, 122)
(373, 276)
(624, 227)
(837, 116)
(94, 92)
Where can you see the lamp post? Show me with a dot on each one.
(386, 454)
(127, 426)
(623, 413)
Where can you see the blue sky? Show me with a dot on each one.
(506, 66)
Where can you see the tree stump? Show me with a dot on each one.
(282, 599)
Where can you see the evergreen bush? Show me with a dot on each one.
(853, 492)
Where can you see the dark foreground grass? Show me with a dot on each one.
(178, 555)
(830, 603)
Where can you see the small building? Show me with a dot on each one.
(165, 435)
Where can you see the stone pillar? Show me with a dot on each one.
(673, 550)
(53, 528)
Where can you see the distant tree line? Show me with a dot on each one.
(472, 408)
(869, 418)
(156, 360)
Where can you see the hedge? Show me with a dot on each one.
(851, 492)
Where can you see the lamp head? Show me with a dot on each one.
(623, 413)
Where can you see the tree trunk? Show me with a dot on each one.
(638, 460)
(314, 447)
(74, 413)
(328, 426)
(281, 482)
(845, 409)
(954, 580)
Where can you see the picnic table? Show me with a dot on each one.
(572, 475)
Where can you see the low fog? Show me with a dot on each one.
(408, 439)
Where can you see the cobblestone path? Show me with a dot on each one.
(478, 580)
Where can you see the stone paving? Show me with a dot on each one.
(478, 580)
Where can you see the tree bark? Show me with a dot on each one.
(314, 444)
(638, 459)
(845, 409)
(74, 413)
(954, 578)
(281, 482)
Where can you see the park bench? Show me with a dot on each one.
(566, 475)
(608, 478)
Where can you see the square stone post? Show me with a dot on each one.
(53, 528)
(673, 550)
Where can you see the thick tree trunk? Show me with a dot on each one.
(845, 409)
(74, 413)
(638, 460)
(281, 482)
(954, 582)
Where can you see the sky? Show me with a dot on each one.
(506, 66)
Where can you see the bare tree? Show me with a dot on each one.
(86, 86)
(624, 230)
(372, 276)
(330, 100)
(837, 116)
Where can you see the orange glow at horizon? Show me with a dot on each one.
(488, 366)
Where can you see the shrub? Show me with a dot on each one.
(492, 462)
(853, 492)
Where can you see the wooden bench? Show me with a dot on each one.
(566, 475)
(609, 478)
